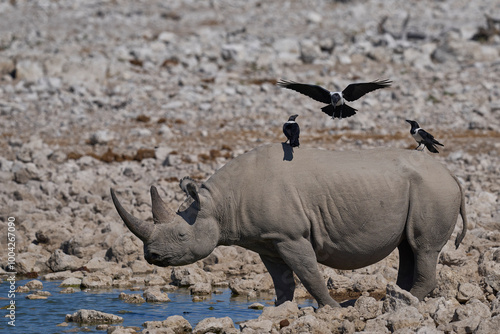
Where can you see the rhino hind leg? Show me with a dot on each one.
(301, 258)
(282, 275)
(425, 273)
(417, 270)
(406, 269)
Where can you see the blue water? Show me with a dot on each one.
(43, 316)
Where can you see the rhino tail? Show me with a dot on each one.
(461, 236)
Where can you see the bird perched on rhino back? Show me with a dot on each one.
(336, 100)
(423, 137)
(291, 130)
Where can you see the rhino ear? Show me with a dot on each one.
(188, 185)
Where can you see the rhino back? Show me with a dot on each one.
(336, 199)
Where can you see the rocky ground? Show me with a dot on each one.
(131, 94)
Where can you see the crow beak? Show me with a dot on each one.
(335, 99)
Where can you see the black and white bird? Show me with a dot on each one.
(291, 130)
(336, 100)
(423, 137)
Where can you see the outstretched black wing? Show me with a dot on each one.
(356, 90)
(315, 92)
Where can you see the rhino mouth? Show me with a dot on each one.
(166, 260)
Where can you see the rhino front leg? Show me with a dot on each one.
(282, 276)
(300, 257)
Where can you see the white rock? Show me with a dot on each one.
(101, 137)
(71, 282)
(29, 70)
(167, 37)
(154, 295)
(313, 17)
(215, 325)
(93, 317)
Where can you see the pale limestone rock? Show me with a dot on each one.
(96, 281)
(34, 285)
(215, 325)
(131, 298)
(286, 310)
(93, 317)
(201, 289)
(397, 298)
(368, 307)
(155, 295)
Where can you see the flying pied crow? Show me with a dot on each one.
(336, 106)
(291, 130)
(423, 137)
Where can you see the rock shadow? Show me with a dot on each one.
(287, 152)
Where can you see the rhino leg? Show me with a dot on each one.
(425, 273)
(406, 266)
(300, 257)
(282, 276)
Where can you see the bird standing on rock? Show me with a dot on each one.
(423, 137)
(291, 130)
(336, 106)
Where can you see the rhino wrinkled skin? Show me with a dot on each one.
(345, 210)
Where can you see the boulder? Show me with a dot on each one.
(489, 267)
(34, 285)
(71, 282)
(309, 324)
(277, 313)
(188, 275)
(153, 279)
(35, 296)
(201, 289)
(368, 307)
(397, 298)
(467, 291)
(126, 248)
(96, 281)
(404, 317)
(131, 298)
(29, 70)
(155, 295)
(67, 290)
(30, 262)
(443, 311)
(178, 324)
(256, 326)
(491, 325)
(59, 261)
(215, 325)
(84, 316)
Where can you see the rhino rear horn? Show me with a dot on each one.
(140, 228)
(161, 213)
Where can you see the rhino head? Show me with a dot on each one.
(175, 239)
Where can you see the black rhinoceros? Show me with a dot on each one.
(345, 210)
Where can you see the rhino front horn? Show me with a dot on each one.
(141, 229)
